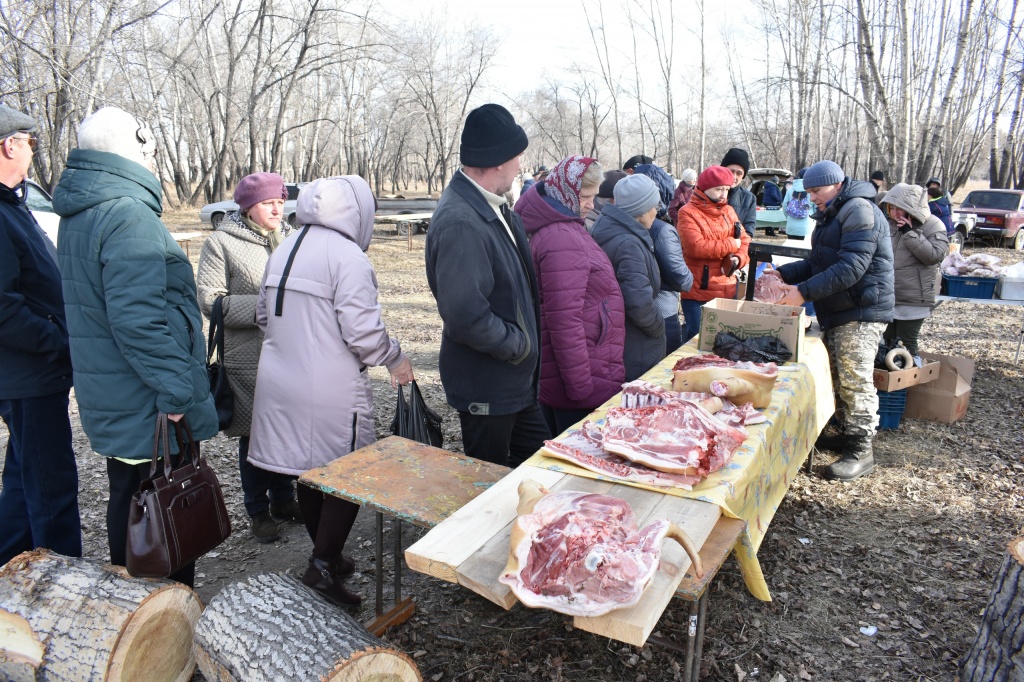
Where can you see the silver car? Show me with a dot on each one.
(212, 214)
(41, 207)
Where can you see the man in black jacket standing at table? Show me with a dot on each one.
(740, 198)
(480, 272)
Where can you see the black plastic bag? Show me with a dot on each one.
(223, 397)
(753, 349)
(414, 420)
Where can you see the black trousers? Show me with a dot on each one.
(506, 439)
(328, 521)
(124, 482)
(560, 420)
(907, 330)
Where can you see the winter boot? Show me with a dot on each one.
(837, 443)
(346, 565)
(286, 511)
(857, 461)
(263, 527)
(323, 577)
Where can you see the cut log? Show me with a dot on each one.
(998, 650)
(81, 619)
(272, 627)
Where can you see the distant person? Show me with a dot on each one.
(604, 195)
(231, 267)
(39, 498)
(681, 197)
(714, 245)
(849, 277)
(737, 161)
(771, 198)
(480, 271)
(540, 174)
(634, 161)
(798, 209)
(878, 180)
(664, 182)
(939, 204)
(919, 243)
(318, 305)
(133, 317)
(623, 231)
(582, 321)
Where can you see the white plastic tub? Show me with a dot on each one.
(1010, 288)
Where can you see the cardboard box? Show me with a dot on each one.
(944, 399)
(753, 318)
(905, 378)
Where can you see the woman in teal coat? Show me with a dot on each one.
(136, 332)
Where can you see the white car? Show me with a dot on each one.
(41, 207)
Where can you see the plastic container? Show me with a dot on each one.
(970, 287)
(1010, 288)
(890, 409)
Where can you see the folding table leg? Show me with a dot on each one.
(397, 531)
(692, 628)
(1020, 340)
(380, 563)
(702, 616)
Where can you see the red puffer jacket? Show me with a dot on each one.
(582, 315)
(707, 235)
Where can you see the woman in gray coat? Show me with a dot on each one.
(231, 268)
(919, 243)
(318, 306)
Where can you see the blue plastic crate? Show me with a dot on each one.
(890, 409)
(970, 287)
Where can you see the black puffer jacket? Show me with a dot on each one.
(849, 274)
(745, 205)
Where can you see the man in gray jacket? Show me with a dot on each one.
(481, 274)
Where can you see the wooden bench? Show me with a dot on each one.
(185, 239)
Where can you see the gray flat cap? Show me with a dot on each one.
(13, 121)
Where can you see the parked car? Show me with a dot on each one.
(41, 206)
(212, 214)
(963, 225)
(998, 215)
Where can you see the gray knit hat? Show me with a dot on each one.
(636, 194)
(823, 173)
(13, 121)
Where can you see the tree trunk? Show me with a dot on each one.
(80, 619)
(271, 627)
(997, 653)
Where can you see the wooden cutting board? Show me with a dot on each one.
(471, 546)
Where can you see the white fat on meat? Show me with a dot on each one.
(711, 360)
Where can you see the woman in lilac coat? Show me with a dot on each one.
(582, 316)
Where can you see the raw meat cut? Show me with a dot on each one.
(680, 437)
(582, 554)
(738, 381)
(769, 289)
(711, 360)
(640, 393)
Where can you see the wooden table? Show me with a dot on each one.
(185, 238)
(411, 482)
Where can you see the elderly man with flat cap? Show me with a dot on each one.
(39, 500)
(481, 274)
(849, 276)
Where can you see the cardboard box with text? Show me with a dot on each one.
(945, 398)
(753, 318)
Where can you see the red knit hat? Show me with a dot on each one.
(714, 176)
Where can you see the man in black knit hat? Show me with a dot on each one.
(480, 272)
(742, 201)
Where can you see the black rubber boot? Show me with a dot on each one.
(858, 461)
(323, 577)
(837, 443)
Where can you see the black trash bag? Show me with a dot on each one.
(753, 349)
(900, 361)
(414, 420)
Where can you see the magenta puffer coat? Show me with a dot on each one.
(582, 316)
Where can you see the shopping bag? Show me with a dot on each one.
(414, 420)
(223, 397)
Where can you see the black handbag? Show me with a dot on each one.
(175, 518)
(415, 420)
(223, 398)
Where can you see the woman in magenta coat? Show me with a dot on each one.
(582, 316)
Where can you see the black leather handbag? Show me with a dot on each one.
(223, 398)
(179, 516)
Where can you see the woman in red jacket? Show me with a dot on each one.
(714, 244)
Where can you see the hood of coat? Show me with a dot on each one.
(92, 177)
(911, 198)
(343, 203)
(537, 210)
(615, 222)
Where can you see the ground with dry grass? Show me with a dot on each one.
(908, 553)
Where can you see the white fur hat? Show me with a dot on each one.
(116, 131)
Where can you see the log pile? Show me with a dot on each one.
(80, 619)
(271, 627)
(998, 650)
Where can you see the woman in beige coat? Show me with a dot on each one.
(231, 267)
(919, 243)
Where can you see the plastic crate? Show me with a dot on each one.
(970, 287)
(1010, 288)
(890, 409)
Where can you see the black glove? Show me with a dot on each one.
(905, 228)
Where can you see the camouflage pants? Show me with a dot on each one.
(851, 352)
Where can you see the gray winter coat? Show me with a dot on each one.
(323, 329)
(917, 252)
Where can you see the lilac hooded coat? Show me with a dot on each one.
(313, 401)
(582, 316)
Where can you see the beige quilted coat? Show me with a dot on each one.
(231, 265)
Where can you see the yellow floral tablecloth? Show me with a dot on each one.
(756, 479)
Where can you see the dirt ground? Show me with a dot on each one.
(908, 554)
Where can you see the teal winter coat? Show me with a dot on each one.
(130, 296)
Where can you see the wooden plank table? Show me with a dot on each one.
(411, 482)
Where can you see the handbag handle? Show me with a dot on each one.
(161, 436)
(215, 340)
(186, 441)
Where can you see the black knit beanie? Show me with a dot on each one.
(605, 191)
(491, 137)
(739, 157)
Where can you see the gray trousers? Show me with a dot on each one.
(851, 353)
